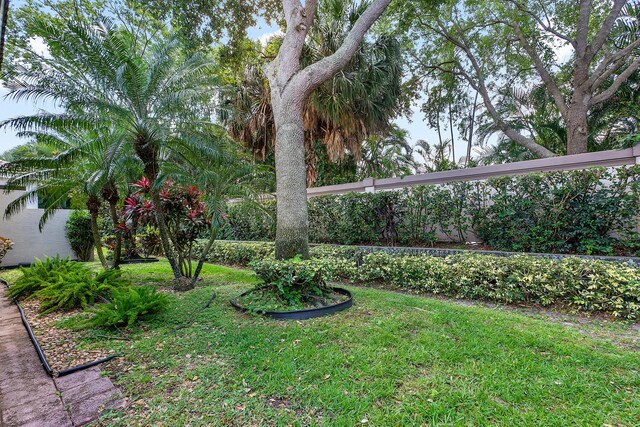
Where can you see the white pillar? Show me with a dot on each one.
(369, 185)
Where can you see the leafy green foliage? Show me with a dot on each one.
(79, 288)
(591, 211)
(294, 281)
(575, 283)
(127, 306)
(42, 273)
(61, 284)
(231, 253)
(79, 233)
(246, 222)
(578, 284)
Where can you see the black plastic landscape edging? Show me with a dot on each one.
(308, 313)
(138, 260)
(43, 358)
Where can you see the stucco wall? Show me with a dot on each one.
(29, 242)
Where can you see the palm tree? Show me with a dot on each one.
(89, 164)
(387, 156)
(155, 95)
(358, 102)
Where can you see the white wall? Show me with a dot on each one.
(28, 242)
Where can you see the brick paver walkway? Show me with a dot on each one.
(30, 397)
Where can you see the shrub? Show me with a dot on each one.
(235, 253)
(5, 245)
(149, 242)
(79, 234)
(246, 221)
(587, 285)
(294, 281)
(592, 211)
(42, 273)
(61, 284)
(80, 289)
(575, 283)
(126, 307)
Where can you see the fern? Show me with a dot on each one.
(41, 274)
(80, 289)
(127, 306)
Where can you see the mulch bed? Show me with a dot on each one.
(61, 346)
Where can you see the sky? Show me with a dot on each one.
(414, 124)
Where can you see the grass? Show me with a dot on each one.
(391, 360)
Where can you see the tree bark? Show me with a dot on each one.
(472, 120)
(290, 87)
(117, 250)
(4, 9)
(577, 129)
(203, 258)
(292, 229)
(164, 234)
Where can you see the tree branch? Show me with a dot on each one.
(315, 74)
(622, 77)
(608, 64)
(582, 32)
(481, 88)
(545, 26)
(548, 81)
(605, 30)
(287, 62)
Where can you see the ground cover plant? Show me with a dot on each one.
(392, 359)
(289, 285)
(62, 284)
(571, 283)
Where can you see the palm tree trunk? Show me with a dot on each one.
(4, 9)
(117, 250)
(93, 205)
(163, 231)
(203, 257)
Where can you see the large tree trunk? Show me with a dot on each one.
(93, 205)
(577, 127)
(292, 231)
(290, 87)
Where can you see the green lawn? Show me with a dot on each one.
(391, 360)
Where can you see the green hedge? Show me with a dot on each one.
(587, 285)
(593, 211)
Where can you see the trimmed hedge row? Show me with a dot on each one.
(593, 211)
(586, 285)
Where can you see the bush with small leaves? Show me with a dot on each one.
(80, 235)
